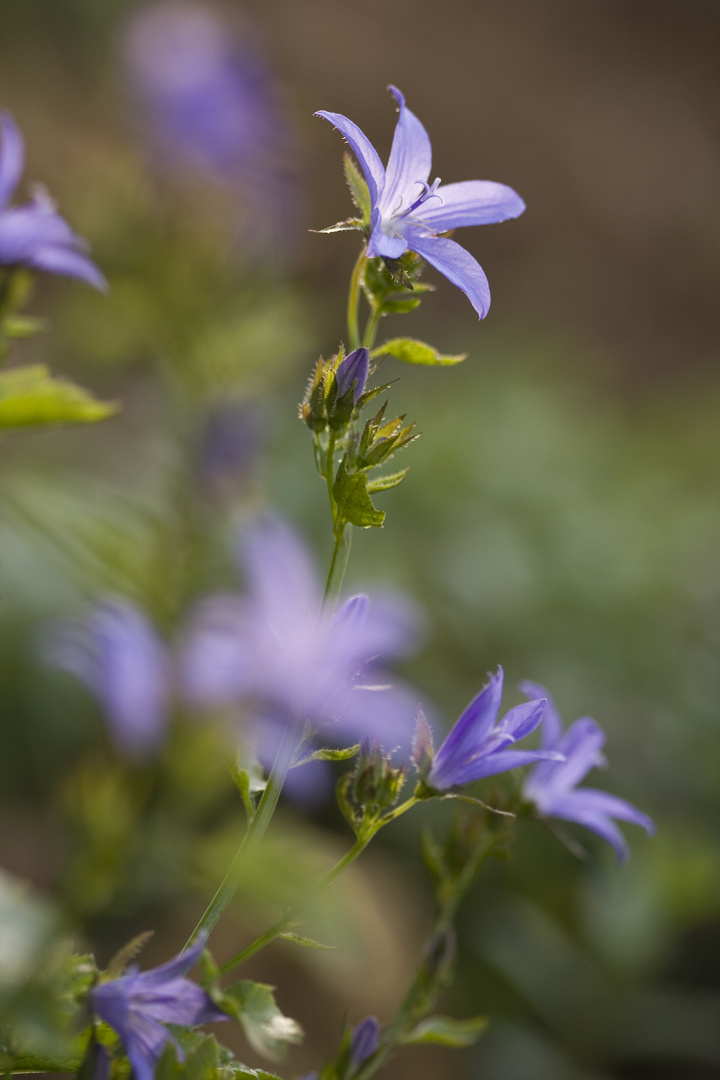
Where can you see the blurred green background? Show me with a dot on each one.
(561, 515)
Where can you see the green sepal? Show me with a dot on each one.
(384, 483)
(306, 942)
(359, 191)
(30, 396)
(251, 783)
(349, 225)
(416, 352)
(125, 956)
(253, 1006)
(350, 492)
(446, 1031)
(327, 753)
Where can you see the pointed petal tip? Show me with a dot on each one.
(398, 95)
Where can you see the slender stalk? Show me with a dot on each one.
(356, 281)
(371, 327)
(255, 831)
(338, 565)
(259, 943)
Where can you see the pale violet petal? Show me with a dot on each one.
(593, 801)
(569, 810)
(409, 163)
(552, 728)
(498, 762)
(380, 244)
(456, 264)
(12, 157)
(523, 719)
(471, 202)
(70, 263)
(363, 150)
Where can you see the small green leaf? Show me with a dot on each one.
(384, 483)
(253, 1006)
(358, 188)
(446, 1031)
(326, 753)
(307, 942)
(350, 491)
(22, 326)
(415, 352)
(31, 396)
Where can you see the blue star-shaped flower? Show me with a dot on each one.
(478, 746)
(551, 785)
(408, 213)
(34, 235)
(139, 1004)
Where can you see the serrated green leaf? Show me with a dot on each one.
(30, 396)
(384, 483)
(326, 753)
(415, 352)
(358, 188)
(447, 1032)
(307, 942)
(266, 1029)
(354, 503)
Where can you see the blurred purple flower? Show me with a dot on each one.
(139, 1004)
(551, 785)
(353, 369)
(278, 651)
(120, 658)
(477, 746)
(209, 102)
(230, 446)
(408, 213)
(34, 235)
(364, 1041)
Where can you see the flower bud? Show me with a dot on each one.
(353, 370)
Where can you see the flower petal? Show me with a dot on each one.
(601, 824)
(467, 735)
(70, 263)
(363, 150)
(12, 157)
(500, 761)
(593, 801)
(523, 719)
(551, 723)
(380, 244)
(409, 163)
(281, 576)
(456, 264)
(471, 202)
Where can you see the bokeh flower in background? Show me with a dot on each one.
(139, 1004)
(279, 653)
(117, 653)
(34, 235)
(551, 785)
(477, 746)
(210, 109)
(408, 213)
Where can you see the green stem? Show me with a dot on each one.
(371, 327)
(338, 565)
(255, 831)
(259, 943)
(356, 281)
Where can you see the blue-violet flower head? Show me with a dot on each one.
(277, 649)
(34, 235)
(551, 785)
(353, 369)
(478, 746)
(364, 1041)
(408, 213)
(118, 655)
(139, 1004)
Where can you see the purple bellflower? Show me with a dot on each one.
(34, 235)
(477, 746)
(139, 1004)
(280, 653)
(551, 785)
(353, 370)
(408, 213)
(120, 658)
